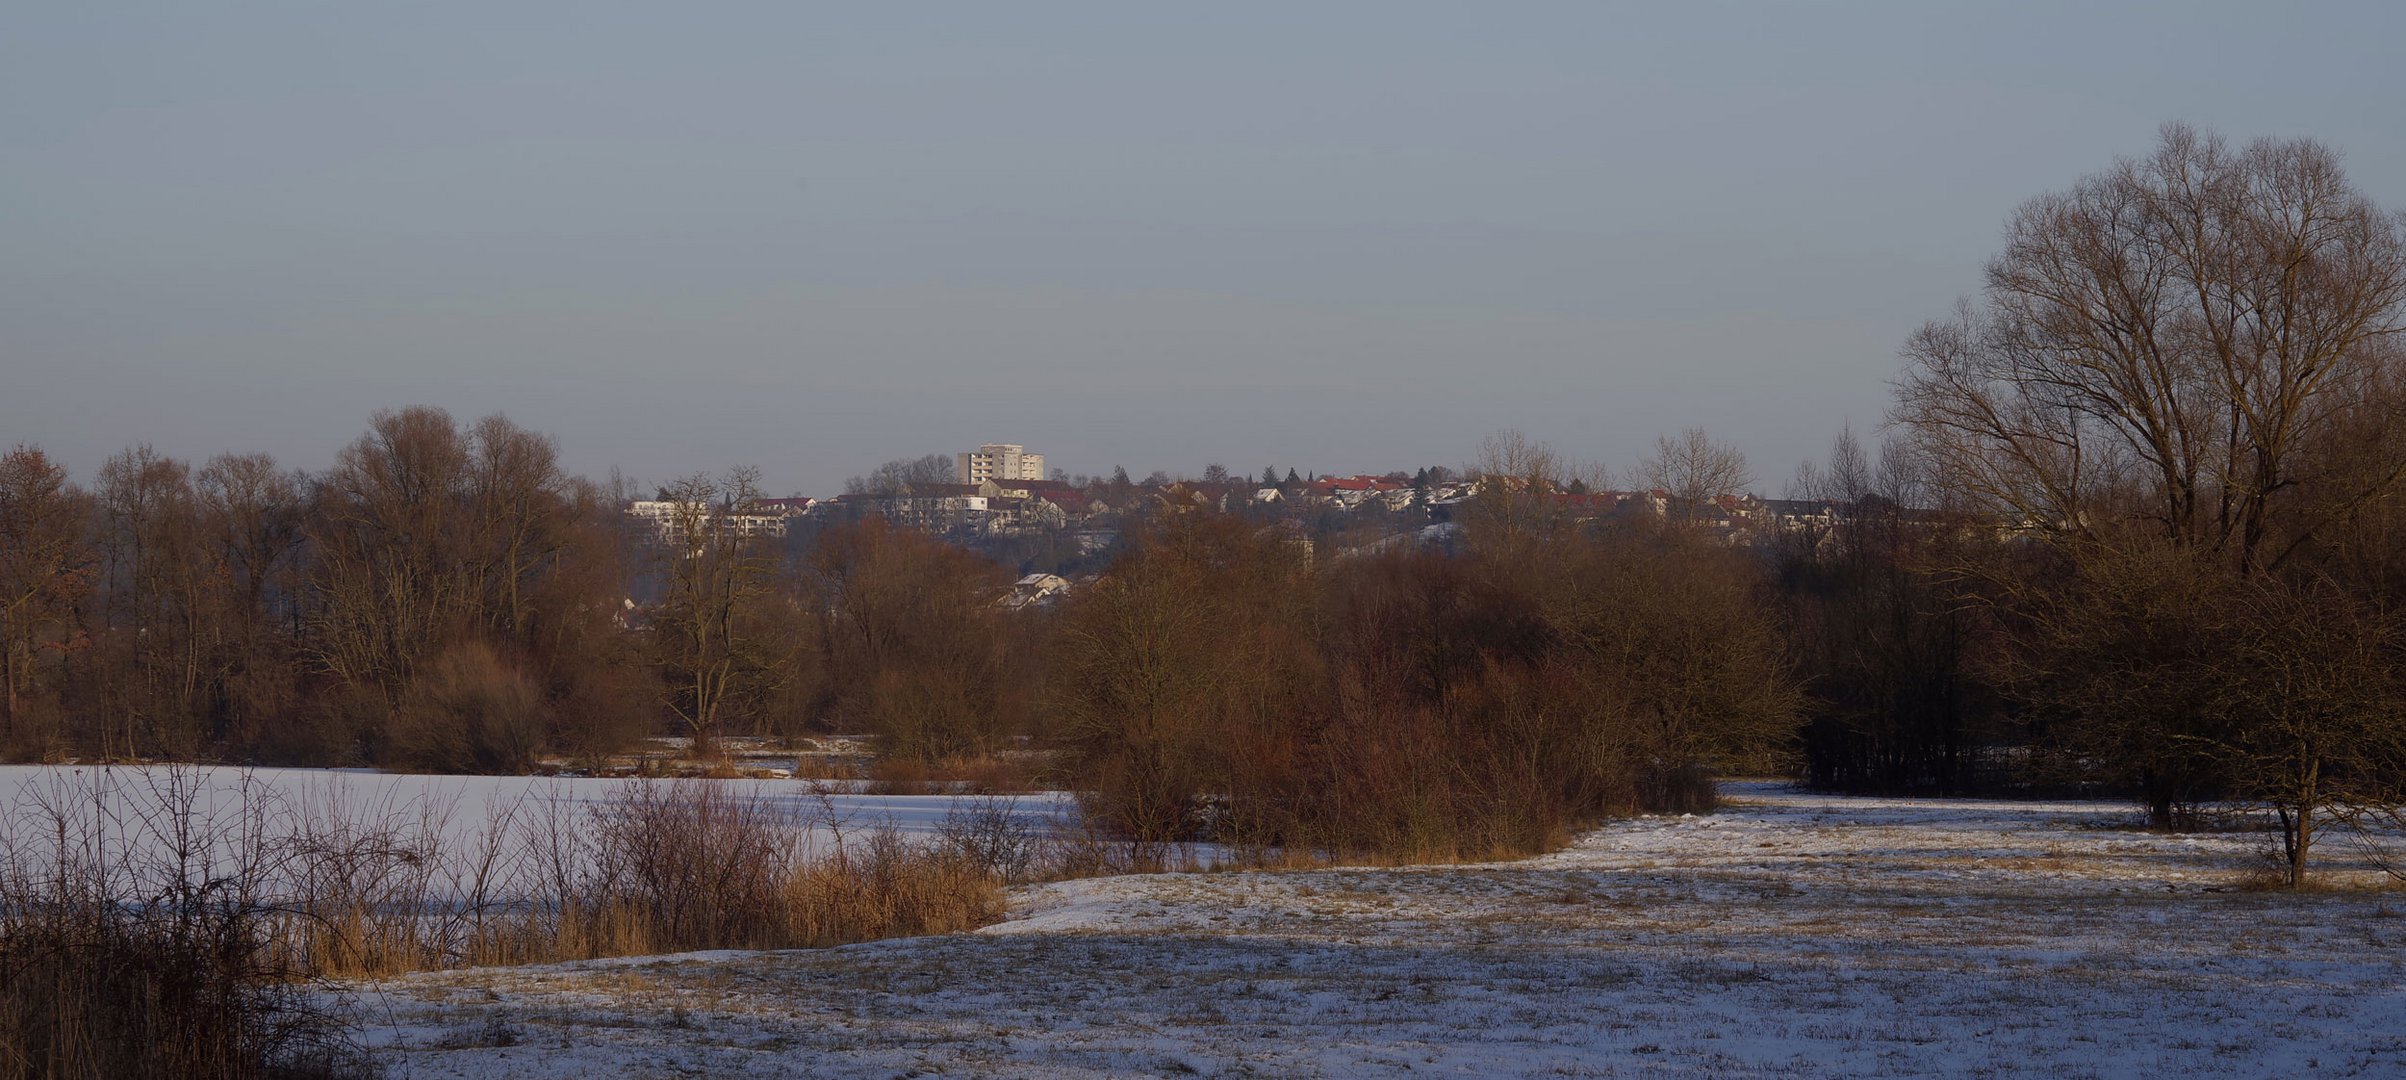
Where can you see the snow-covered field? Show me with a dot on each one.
(458, 808)
(1792, 935)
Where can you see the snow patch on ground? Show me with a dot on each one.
(1789, 936)
(461, 808)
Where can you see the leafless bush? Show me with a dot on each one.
(903, 776)
(159, 922)
(702, 862)
(1213, 688)
(137, 930)
(990, 832)
(470, 712)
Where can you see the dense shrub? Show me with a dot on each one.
(172, 996)
(469, 712)
(133, 944)
(162, 923)
(914, 647)
(1218, 684)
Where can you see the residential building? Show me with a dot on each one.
(666, 520)
(935, 508)
(1000, 461)
(1036, 591)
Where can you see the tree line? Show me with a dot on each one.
(445, 598)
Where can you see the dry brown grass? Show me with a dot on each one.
(143, 933)
(144, 997)
(128, 947)
(888, 888)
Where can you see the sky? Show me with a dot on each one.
(814, 237)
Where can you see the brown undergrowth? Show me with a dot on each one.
(158, 923)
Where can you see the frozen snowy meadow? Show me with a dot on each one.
(1791, 935)
(459, 809)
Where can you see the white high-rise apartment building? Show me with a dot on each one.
(1000, 461)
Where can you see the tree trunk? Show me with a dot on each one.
(2301, 831)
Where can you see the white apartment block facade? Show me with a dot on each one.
(1000, 461)
(667, 520)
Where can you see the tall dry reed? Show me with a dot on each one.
(167, 923)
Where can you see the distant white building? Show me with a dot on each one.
(937, 508)
(667, 520)
(1000, 461)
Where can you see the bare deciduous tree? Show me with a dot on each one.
(251, 521)
(159, 610)
(899, 473)
(45, 567)
(255, 517)
(707, 629)
(388, 537)
(1518, 479)
(2185, 379)
(1693, 470)
(2166, 343)
(517, 493)
(916, 649)
(2313, 677)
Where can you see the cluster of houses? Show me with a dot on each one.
(999, 491)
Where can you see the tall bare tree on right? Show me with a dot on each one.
(2187, 364)
(2175, 344)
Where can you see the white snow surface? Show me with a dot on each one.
(459, 808)
(1790, 935)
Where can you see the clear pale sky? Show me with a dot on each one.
(814, 237)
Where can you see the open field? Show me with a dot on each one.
(1791, 935)
(459, 809)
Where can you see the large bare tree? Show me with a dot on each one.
(158, 620)
(2184, 379)
(518, 498)
(389, 535)
(2169, 342)
(252, 524)
(915, 647)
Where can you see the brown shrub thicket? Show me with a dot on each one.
(445, 599)
(1218, 684)
(178, 999)
(467, 712)
(1190, 658)
(134, 943)
(164, 922)
(915, 649)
